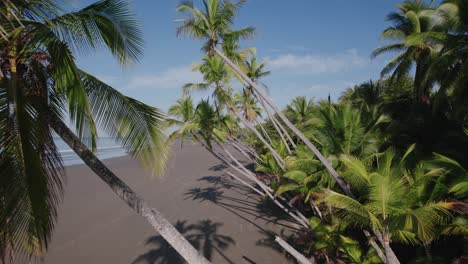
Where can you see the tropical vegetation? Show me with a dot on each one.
(377, 176)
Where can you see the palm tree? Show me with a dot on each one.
(208, 127)
(40, 78)
(330, 241)
(341, 130)
(414, 17)
(255, 71)
(211, 25)
(301, 111)
(217, 78)
(397, 201)
(450, 67)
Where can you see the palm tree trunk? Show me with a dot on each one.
(264, 131)
(296, 214)
(246, 147)
(275, 154)
(278, 126)
(339, 180)
(301, 219)
(154, 217)
(242, 151)
(298, 256)
(316, 209)
(244, 183)
(391, 257)
(280, 133)
(373, 244)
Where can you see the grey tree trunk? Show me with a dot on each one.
(241, 150)
(301, 219)
(263, 131)
(246, 147)
(275, 154)
(278, 126)
(374, 244)
(391, 257)
(137, 204)
(298, 256)
(245, 183)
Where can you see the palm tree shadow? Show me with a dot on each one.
(251, 204)
(203, 235)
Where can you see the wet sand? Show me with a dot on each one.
(224, 220)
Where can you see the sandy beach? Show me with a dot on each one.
(223, 219)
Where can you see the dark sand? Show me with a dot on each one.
(227, 222)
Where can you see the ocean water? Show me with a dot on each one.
(106, 148)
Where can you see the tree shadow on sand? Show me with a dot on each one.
(204, 236)
(250, 203)
(250, 207)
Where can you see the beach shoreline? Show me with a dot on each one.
(94, 226)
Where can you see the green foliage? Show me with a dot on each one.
(381, 136)
(400, 201)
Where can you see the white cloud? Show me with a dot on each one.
(318, 63)
(172, 78)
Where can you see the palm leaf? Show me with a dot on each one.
(138, 127)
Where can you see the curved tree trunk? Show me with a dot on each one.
(137, 204)
(391, 257)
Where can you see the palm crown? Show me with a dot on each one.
(212, 24)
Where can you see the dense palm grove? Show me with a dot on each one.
(378, 175)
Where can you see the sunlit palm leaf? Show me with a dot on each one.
(137, 126)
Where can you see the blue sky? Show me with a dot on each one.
(313, 48)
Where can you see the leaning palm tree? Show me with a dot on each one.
(41, 86)
(256, 70)
(211, 25)
(216, 77)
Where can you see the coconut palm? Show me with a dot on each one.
(330, 243)
(210, 25)
(255, 71)
(450, 67)
(301, 111)
(396, 202)
(217, 78)
(40, 78)
(413, 17)
(341, 130)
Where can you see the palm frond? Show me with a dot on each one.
(106, 23)
(137, 126)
